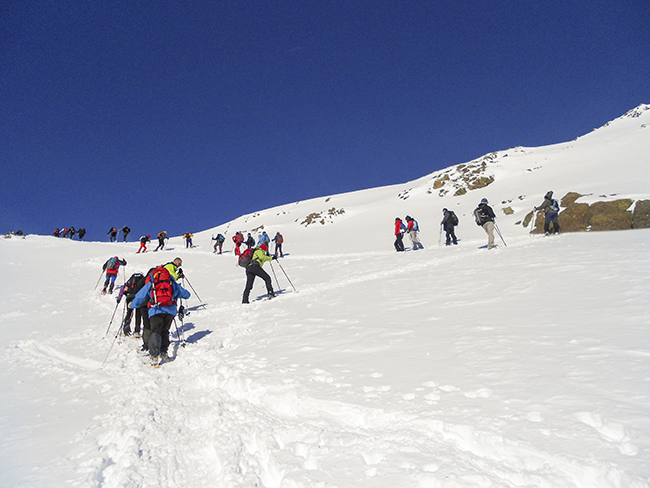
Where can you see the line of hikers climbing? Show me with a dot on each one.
(484, 217)
(69, 232)
(238, 240)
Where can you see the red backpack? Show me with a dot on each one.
(246, 257)
(162, 293)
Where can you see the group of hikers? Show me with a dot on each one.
(154, 297)
(484, 217)
(69, 232)
(262, 239)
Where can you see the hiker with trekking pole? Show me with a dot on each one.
(112, 268)
(485, 218)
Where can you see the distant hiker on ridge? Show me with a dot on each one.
(81, 233)
(57, 232)
(112, 267)
(551, 209)
(162, 235)
(399, 234)
(449, 221)
(188, 240)
(485, 217)
(113, 234)
(218, 242)
(125, 231)
(72, 232)
(143, 243)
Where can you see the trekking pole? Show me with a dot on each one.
(112, 317)
(440, 237)
(285, 274)
(100, 279)
(499, 232)
(276, 278)
(178, 334)
(110, 349)
(197, 295)
(532, 222)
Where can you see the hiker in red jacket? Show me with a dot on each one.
(400, 228)
(238, 239)
(112, 267)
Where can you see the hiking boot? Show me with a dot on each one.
(271, 295)
(163, 356)
(137, 335)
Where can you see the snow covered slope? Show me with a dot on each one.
(447, 367)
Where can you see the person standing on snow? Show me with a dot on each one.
(551, 209)
(250, 241)
(113, 234)
(72, 232)
(399, 234)
(162, 235)
(254, 268)
(125, 232)
(162, 291)
(278, 239)
(57, 232)
(264, 240)
(485, 218)
(112, 267)
(218, 242)
(412, 228)
(128, 291)
(449, 221)
(81, 232)
(143, 243)
(238, 239)
(188, 240)
(174, 267)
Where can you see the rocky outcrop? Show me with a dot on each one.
(580, 217)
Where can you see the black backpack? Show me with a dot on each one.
(481, 216)
(134, 284)
(246, 258)
(453, 218)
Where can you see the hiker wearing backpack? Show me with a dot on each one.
(551, 209)
(128, 291)
(162, 235)
(278, 239)
(238, 239)
(400, 228)
(57, 232)
(125, 232)
(113, 234)
(143, 243)
(485, 218)
(72, 232)
(253, 260)
(64, 232)
(174, 267)
(250, 241)
(188, 239)
(218, 242)
(162, 291)
(264, 240)
(449, 221)
(112, 267)
(81, 232)
(412, 228)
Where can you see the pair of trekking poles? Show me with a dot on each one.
(285, 274)
(496, 227)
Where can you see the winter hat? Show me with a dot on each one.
(484, 200)
(444, 209)
(263, 247)
(397, 218)
(549, 194)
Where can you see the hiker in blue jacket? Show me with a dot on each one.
(160, 316)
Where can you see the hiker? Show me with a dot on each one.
(218, 242)
(399, 233)
(143, 243)
(250, 241)
(112, 267)
(449, 221)
(162, 291)
(57, 232)
(81, 232)
(113, 234)
(162, 235)
(278, 239)
(258, 258)
(188, 239)
(551, 209)
(125, 232)
(72, 232)
(264, 239)
(129, 290)
(174, 267)
(413, 228)
(64, 232)
(238, 239)
(485, 218)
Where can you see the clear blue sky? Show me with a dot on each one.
(181, 115)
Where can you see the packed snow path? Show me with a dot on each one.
(447, 367)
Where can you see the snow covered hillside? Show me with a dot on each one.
(442, 368)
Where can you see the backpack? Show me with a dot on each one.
(162, 292)
(112, 263)
(453, 218)
(220, 238)
(416, 226)
(280, 239)
(133, 284)
(246, 258)
(481, 216)
(554, 206)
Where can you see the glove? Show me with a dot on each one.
(118, 299)
(181, 312)
(179, 271)
(273, 258)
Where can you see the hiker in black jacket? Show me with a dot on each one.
(551, 209)
(449, 221)
(485, 218)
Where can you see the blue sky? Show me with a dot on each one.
(181, 115)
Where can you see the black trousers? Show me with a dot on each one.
(399, 245)
(159, 337)
(251, 272)
(451, 236)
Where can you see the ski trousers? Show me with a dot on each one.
(159, 335)
(251, 272)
